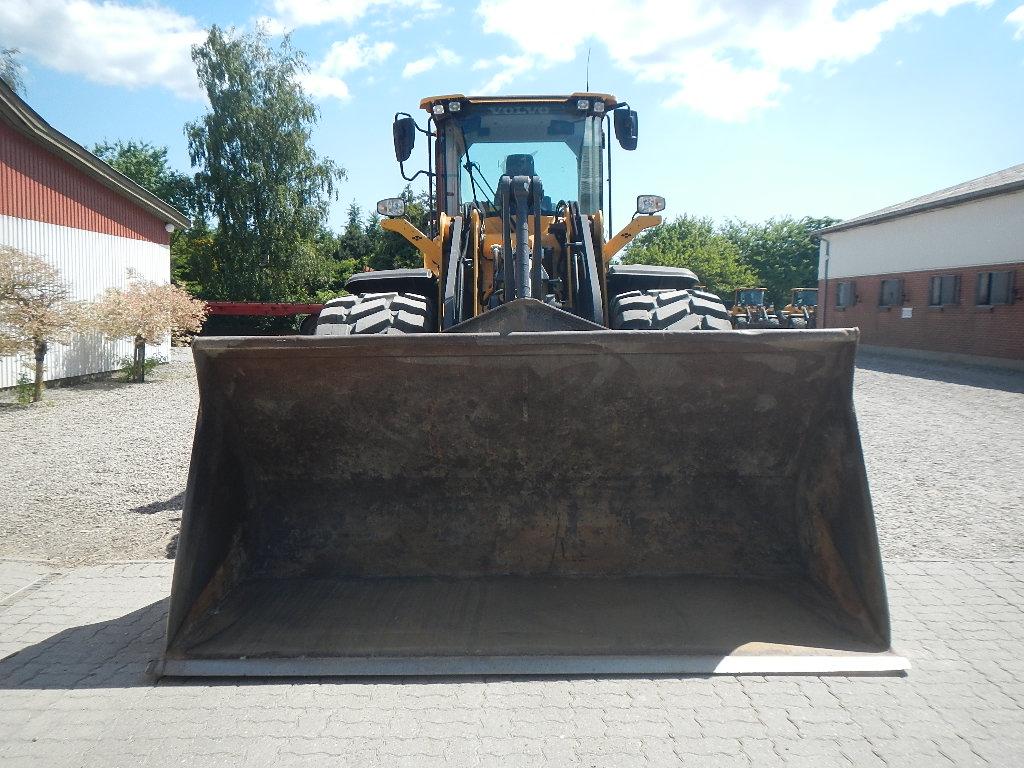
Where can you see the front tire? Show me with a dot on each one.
(377, 313)
(669, 310)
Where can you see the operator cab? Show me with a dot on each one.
(805, 297)
(476, 140)
(750, 297)
(559, 139)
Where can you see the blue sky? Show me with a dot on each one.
(748, 108)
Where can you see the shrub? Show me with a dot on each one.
(146, 312)
(36, 309)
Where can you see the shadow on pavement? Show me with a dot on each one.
(109, 654)
(982, 377)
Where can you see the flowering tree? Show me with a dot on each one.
(146, 312)
(36, 309)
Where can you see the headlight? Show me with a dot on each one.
(391, 207)
(599, 107)
(647, 204)
(582, 105)
(438, 109)
(454, 106)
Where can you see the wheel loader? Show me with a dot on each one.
(750, 310)
(802, 309)
(522, 458)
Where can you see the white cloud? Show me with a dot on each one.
(448, 57)
(290, 14)
(106, 42)
(509, 68)
(1016, 18)
(727, 60)
(326, 78)
(427, 63)
(419, 66)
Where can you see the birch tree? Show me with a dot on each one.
(259, 177)
(12, 70)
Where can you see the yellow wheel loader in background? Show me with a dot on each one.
(802, 310)
(521, 459)
(749, 309)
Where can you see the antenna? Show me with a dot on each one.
(588, 69)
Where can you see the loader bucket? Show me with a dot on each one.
(578, 502)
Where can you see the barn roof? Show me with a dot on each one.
(19, 115)
(1001, 182)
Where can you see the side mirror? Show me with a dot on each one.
(626, 128)
(391, 206)
(404, 131)
(648, 204)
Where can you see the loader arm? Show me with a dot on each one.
(627, 233)
(430, 248)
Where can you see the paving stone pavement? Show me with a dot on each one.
(16, 575)
(946, 478)
(75, 645)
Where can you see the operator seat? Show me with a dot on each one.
(522, 165)
(519, 165)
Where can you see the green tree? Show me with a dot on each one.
(781, 252)
(693, 243)
(258, 176)
(12, 71)
(356, 240)
(193, 258)
(147, 166)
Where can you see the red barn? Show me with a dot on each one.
(63, 203)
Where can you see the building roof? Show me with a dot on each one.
(1001, 182)
(17, 113)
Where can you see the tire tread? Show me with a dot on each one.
(669, 310)
(376, 313)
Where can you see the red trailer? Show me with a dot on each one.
(268, 309)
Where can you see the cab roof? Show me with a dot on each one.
(429, 102)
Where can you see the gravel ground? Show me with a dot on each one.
(96, 472)
(88, 481)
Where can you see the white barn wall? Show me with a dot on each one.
(984, 232)
(90, 263)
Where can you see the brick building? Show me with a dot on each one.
(941, 275)
(63, 203)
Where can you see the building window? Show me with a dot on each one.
(994, 288)
(945, 289)
(892, 293)
(846, 296)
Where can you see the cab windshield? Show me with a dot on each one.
(560, 146)
(751, 298)
(808, 298)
